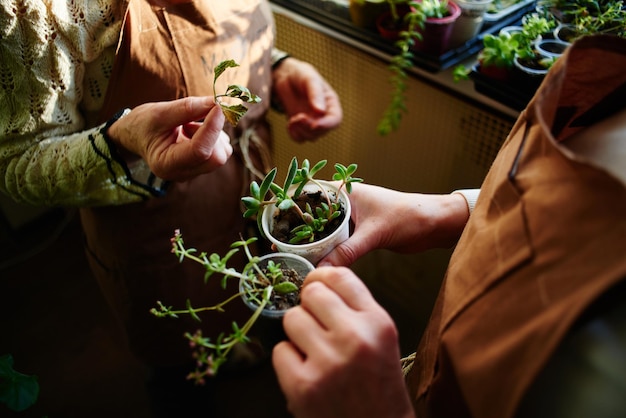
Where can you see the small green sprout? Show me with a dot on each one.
(233, 113)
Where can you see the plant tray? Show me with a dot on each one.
(505, 93)
(336, 16)
(502, 13)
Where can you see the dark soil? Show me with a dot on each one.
(285, 221)
(281, 302)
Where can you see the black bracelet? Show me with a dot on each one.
(119, 115)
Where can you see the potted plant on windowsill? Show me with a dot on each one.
(441, 16)
(588, 17)
(304, 216)
(500, 52)
(269, 285)
(426, 28)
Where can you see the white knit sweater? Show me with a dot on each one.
(56, 58)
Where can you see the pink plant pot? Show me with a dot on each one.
(436, 32)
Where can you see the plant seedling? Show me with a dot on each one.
(261, 285)
(234, 112)
(313, 221)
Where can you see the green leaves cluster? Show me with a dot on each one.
(400, 64)
(18, 391)
(312, 221)
(233, 113)
(262, 283)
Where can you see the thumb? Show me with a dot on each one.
(344, 254)
(211, 128)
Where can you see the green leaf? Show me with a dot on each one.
(17, 391)
(222, 66)
(233, 113)
(285, 287)
(192, 312)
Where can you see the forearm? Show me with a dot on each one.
(80, 169)
(434, 221)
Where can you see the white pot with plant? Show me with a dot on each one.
(304, 216)
(470, 22)
(269, 285)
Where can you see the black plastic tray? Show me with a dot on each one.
(337, 17)
(508, 94)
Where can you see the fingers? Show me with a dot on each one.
(182, 111)
(309, 126)
(365, 238)
(342, 283)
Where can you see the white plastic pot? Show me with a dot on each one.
(286, 260)
(313, 251)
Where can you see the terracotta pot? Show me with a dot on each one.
(389, 28)
(497, 73)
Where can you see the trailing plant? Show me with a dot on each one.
(414, 20)
(232, 112)
(313, 221)
(262, 286)
(401, 63)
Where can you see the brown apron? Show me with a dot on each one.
(166, 54)
(546, 239)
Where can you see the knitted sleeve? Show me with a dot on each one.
(55, 60)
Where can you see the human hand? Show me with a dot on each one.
(311, 104)
(342, 359)
(398, 221)
(168, 137)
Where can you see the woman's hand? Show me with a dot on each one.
(310, 103)
(398, 221)
(168, 136)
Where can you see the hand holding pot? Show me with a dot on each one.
(339, 338)
(169, 138)
(398, 221)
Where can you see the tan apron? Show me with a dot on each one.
(166, 54)
(547, 238)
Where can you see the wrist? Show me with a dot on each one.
(470, 196)
(451, 217)
(112, 135)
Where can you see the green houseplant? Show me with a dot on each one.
(500, 52)
(304, 215)
(588, 17)
(426, 28)
(269, 285)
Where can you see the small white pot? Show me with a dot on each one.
(313, 251)
(468, 25)
(286, 260)
(268, 329)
